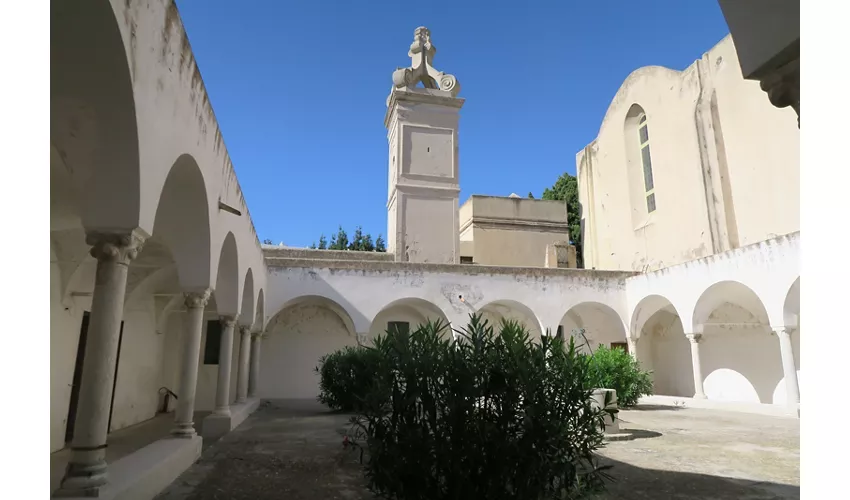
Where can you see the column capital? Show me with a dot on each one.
(257, 335)
(782, 331)
(244, 330)
(695, 338)
(115, 247)
(197, 300)
(229, 320)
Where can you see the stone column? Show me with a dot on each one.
(225, 361)
(792, 385)
(86, 471)
(633, 346)
(244, 356)
(699, 392)
(184, 425)
(254, 372)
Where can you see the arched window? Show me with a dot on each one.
(646, 162)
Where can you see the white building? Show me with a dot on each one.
(159, 283)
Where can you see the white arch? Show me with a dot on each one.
(414, 310)
(182, 222)
(496, 310)
(646, 309)
(315, 300)
(247, 312)
(728, 292)
(227, 278)
(791, 309)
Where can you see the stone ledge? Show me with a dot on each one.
(467, 269)
(315, 254)
(711, 404)
(142, 475)
(215, 426)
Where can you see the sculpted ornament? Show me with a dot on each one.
(115, 247)
(228, 321)
(195, 300)
(421, 70)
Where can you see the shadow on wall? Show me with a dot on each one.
(637, 483)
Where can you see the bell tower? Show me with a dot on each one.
(422, 130)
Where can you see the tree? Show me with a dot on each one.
(530, 195)
(267, 242)
(360, 241)
(566, 190)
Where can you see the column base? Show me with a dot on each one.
(241, 401)
(700, 396)
(83, 480)
(184, 430)
(222, 412)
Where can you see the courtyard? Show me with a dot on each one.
(294, 449)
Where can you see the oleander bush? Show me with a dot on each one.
(614, 368)
(346, 377)
(484, 415)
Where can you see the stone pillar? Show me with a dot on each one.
(254, 373)
(699, 392)
(86, 471)
(792, 385)
(633, 346)
(225, 361)
(244, 359)
(184, 415)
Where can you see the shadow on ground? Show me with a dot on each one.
(293, 450)
(637, 483)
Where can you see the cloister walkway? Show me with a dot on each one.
(293, 449)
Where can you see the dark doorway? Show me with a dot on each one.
(78, 375)
(620, 345)
(115, 376)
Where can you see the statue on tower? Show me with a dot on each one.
(421, 70)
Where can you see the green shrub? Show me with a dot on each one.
(494, 416)
(616, 369)
(346, 377)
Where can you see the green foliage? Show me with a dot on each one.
(566, 190)
(346, 377)
(360, 242)
(616, 369)
(494, 416)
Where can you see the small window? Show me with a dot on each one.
(400, 326)
(213, 344)
(465, 259)
(620, 345)
(650, 203)
(646, 163)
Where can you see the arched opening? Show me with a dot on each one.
(408, 314)
(304, 330)
(738, 352)
(182, 222)
(639, 165)
(247, 311)
(260, 317)
(662, 346)
(498, 310)
(92, 112)
(227, 277)
(791, 313)
(94, 174)
(592, 324)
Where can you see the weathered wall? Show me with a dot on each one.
(715, 144)
(508, 231)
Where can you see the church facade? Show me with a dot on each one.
(170, 321)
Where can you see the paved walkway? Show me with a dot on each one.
(293, 450)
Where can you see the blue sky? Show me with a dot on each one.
(299, 90)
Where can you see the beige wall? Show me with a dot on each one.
(509, 231)
(725, 167)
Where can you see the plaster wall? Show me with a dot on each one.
(292, 347)
(715, 143)
(760, 145)
(507, 231)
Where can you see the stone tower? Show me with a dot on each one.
(422, 126)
